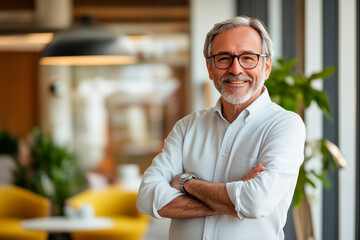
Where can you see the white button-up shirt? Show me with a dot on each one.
(206, 144)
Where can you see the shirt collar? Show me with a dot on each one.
(218, 108)
(259, 104)
(255, 107)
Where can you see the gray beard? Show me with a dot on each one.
(240, 99)
(236, 99)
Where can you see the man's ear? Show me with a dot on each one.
(268, 68)
(209, 70)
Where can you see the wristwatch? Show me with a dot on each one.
(184, 178)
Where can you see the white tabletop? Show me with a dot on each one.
(63, 224)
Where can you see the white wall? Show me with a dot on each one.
(204, 14)
(275, 27)
(347, 116)
(313, 116)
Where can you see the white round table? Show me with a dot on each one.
(56, 226)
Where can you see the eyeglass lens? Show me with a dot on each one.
(247, 60)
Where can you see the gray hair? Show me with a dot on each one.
(240, 21)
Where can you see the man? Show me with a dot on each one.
(229, 172)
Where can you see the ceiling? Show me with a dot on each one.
(20, 16)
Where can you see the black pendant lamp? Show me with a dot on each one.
(88, 44)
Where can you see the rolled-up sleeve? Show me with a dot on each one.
(282, 153)
(155, 189)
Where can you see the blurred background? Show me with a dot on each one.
(108, 79)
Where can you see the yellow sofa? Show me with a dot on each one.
(116, 204)
(17, 204)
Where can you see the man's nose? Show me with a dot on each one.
(235, 67)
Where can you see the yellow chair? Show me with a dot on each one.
(116, 204)
(18, 204)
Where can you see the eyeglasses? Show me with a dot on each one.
(246, 60)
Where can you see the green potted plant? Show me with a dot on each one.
(44, 168)
(295, 92)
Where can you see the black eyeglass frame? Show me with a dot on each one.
(238, 57)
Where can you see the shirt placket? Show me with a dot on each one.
(219, 173)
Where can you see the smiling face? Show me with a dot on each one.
(236, 84)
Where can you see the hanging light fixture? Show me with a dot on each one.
(88, 44)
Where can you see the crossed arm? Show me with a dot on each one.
(203, 198)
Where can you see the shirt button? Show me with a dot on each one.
(206, 238)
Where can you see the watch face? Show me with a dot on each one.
(184, 176)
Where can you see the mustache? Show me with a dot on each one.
(236, 77)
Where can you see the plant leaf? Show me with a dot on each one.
(325, 73)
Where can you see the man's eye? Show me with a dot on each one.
(248, 58)
(224, 58)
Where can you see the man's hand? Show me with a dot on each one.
(256, 170)
(206, 198)
(175, 182)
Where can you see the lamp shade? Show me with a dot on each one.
(88, 44)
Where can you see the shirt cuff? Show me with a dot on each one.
(233, 190)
